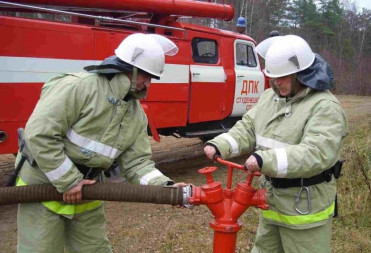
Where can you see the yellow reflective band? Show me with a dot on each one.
(20, 182)
(299, 219)
(66, 209)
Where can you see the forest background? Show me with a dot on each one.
(336, 29)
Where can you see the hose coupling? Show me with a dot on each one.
(187, 193)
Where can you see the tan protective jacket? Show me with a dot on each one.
(298, 138)
(82, 119)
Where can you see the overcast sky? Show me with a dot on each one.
(364, 4)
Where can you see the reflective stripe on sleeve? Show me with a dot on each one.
(270, 143)
(60, 171)
(149, 176)
(232, 142)
(92, 145)
(282, 163)
(299, 219)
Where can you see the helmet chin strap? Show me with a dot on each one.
(134, 79)
(133, 87)
(293, 86)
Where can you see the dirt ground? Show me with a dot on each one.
(133, 227)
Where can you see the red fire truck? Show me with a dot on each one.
(212, 81)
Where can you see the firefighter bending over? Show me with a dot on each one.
(294, 134)
(84, 124)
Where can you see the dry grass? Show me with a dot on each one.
(352, 230)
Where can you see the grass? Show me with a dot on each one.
(352, 230)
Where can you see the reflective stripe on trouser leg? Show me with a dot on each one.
(86, 233)
(39, 230)
(267, 239)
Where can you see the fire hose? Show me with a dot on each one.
(100, 191)
(226, 205)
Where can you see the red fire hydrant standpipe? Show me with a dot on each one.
(227, 205)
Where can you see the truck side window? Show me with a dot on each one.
(205, 50)
(245, 55)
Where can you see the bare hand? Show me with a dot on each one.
(210, 152)
(180, 184)
(74, 195)
(252, 164)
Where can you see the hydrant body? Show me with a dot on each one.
(227, 205)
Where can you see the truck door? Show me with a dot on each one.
(249, 78)
(207, 81)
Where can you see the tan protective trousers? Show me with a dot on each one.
(43, 231)
(277, 239)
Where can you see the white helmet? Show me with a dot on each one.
(146, 52)
(285, 55)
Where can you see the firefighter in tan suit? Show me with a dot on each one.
(84, 124)
(294, 135)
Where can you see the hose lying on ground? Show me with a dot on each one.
(99, 191)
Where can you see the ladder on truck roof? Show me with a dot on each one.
(98, 19)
